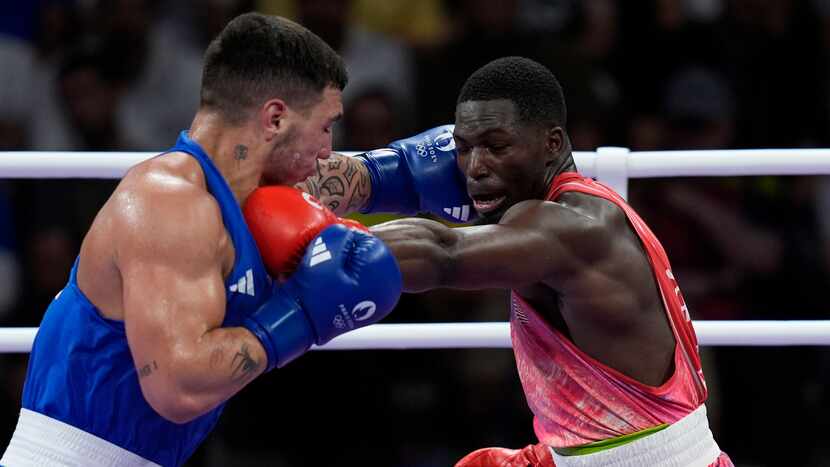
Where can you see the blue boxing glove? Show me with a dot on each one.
(346, 280)
(419, 174)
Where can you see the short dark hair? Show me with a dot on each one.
(257, 57)
(530, 85)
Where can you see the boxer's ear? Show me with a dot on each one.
(272, 118)
(556, 143)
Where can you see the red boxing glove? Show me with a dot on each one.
(533, 455)
(282, 221)
(353, 224)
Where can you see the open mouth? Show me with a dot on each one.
(485, 203)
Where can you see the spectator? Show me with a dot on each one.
(160, 80)
(373, 120)
(372, 60)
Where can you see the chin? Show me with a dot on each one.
(269, 180)
(284, 178)
(494, 216)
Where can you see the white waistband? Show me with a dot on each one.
(39, 440)
(687, 443)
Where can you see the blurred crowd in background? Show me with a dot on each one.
(105, 75)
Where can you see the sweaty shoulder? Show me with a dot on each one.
(582, 230)
(162, 206)
(160, 213)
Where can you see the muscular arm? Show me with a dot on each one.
(341, 183)
(170, 261)
(535, 242)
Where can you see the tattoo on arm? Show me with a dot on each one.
(216, 357)
(333, 186)
(360, 194)
(243, 365)
(148, 369)
(310, 187)
(349, 173)
(333, 165)
(338, 184)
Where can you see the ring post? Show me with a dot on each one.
(612, 168)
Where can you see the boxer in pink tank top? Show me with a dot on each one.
(601, 403)
(603, 342)
(602, 337)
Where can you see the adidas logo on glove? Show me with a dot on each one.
(461, 213)
(319, 253)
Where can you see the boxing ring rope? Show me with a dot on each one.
(611, 165)
(497, 335)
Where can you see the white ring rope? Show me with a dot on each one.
(639, 164)
(497, 335)
(620, 165)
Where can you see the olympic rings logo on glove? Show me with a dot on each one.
(425, 151)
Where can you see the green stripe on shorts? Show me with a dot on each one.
(605, 444)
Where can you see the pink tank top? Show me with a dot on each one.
(576, 399)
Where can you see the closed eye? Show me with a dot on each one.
(331, 123)
(498, 148)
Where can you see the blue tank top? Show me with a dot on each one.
(81, 371)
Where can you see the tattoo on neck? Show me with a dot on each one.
(240, 152)
(148, 369)
(243, 365)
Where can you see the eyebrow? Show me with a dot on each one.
(483, 134)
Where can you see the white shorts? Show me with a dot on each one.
(39, 440)
(687, 443)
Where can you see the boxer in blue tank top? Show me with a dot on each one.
(168, 311)
(96, 342)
